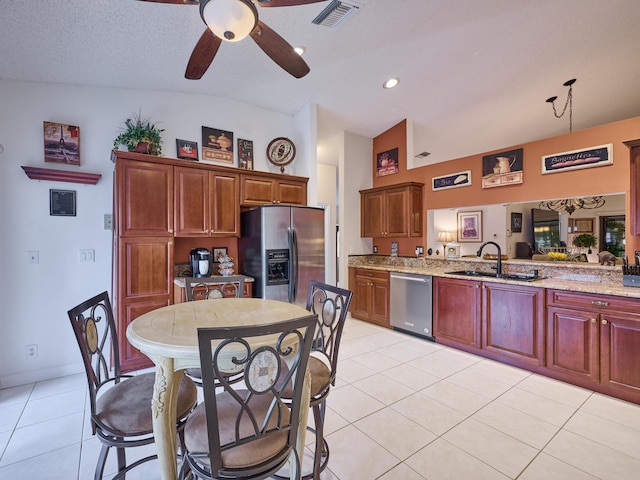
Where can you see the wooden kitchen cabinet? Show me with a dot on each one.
(206, 203)
(394, 211)
(513, 322)
(497, 320)
(261, 189)
(143, 199)
(144, 268)
(594, 341)
(457, 310)
(370, 300)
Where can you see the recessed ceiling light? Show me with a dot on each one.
(300, 50)
(392, 82)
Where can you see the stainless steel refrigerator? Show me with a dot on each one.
(282, 248)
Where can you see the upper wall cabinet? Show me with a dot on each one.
(143, 199)
(394, 211)
(206, 203)
(264, 188)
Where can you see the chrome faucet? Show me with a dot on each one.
(499, 266)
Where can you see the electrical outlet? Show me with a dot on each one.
(32, 351)
(375, 249)
(86, 255)
(108, 221)
(33, 256)
(419, 250)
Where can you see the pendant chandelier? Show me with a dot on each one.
(570, 205)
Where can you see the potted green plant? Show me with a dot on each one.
(140, 135)
(585, 240)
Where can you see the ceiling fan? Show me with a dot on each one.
(233, 20)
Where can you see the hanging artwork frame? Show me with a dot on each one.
(470, 226)
(61, 143)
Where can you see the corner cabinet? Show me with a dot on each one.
(265, 188)
(394, 211)
(370, 295)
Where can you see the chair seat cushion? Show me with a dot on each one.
(125, 408)
(242, 456)
(320, 375)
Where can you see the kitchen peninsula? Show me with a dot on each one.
(576, 322)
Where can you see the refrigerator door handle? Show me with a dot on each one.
(293, 277)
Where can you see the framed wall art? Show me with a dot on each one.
(470, 226)
(62, 203)
(581, 225)
(516, 222)
(217, 145)
(501, 169)
(245, 154)
(61, 143)
(453, 180)
(585, 158)
(187, 150)
(387, 162)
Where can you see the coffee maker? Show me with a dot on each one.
(201, 261)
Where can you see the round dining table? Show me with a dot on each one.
(169, 337)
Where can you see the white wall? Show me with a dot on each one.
(355, 174)
(327, 196)
(35, 298)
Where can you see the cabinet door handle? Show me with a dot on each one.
(593, 320)
(604, 322)
(600, 303)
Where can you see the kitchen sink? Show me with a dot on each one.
(505, 276)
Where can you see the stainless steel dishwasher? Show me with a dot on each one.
(411, 303)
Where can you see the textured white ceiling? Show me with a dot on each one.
(475, 74)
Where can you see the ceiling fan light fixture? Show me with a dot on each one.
(230, 20)
(300, 50)
(392, 82)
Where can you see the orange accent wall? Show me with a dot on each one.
(535, 186)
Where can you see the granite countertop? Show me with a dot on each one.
(179, 281)
(574, 276)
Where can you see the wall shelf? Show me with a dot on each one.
(35, 173)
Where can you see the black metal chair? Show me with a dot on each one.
(120, 404)
(248, 433)
(331, 304)
(209, 288)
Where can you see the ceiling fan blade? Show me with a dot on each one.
(174, 2)
(285, 3)
(279, 50)
(202, 56)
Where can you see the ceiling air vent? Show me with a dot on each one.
(422, 155)
(335, 14)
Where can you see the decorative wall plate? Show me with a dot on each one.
(280, 152)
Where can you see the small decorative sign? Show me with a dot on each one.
(454, 180)
(61, 143)
(245, 154)
(587, 158)
(217, 145)
(62, 203)
(187, 150)
(387, 162)
(501, 169)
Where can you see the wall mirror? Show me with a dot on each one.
(555, 229)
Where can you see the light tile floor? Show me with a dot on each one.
(403, 409)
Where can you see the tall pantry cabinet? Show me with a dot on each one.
(142, 246)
